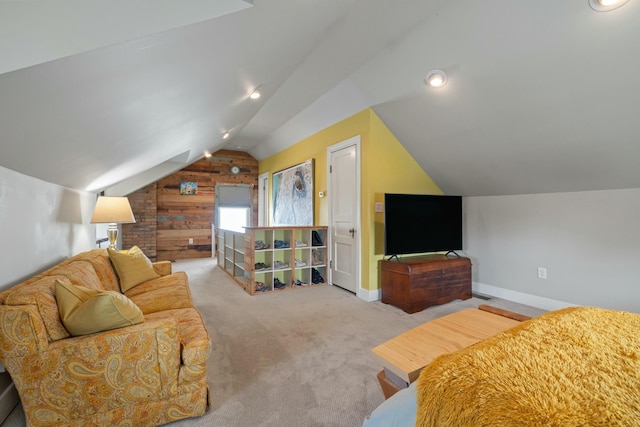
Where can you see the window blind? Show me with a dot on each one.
(233, 196)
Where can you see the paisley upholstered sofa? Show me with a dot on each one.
(105, 338)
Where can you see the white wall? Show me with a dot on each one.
(588, 241)
(40, 224)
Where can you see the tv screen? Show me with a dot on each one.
(416, 223)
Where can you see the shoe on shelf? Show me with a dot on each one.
(261, 266)
(300, 263)
(279, 265)
(315, 258)
(259, 245)
(299, 282)
(301, 244)
(316, 277)
(278, 284)
(280, 244)
(261, 287)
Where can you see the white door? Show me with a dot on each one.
(344, 211)
(263, 199)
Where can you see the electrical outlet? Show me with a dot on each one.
(542, 272)
(191, 240)
(378, 207)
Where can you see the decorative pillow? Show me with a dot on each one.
(133, 267)
(85, 311)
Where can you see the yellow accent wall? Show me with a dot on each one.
(386, 167)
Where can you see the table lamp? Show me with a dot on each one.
(112, 211)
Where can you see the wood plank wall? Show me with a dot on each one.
(183, 217)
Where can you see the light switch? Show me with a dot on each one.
(378, 207)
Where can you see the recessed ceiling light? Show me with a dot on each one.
(606, 5)
(207, 154)
(436, 78)
(255, 94)
(225, 135)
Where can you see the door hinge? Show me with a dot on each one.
(330, 168)
(331, 264)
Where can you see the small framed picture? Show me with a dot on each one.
(188, 187)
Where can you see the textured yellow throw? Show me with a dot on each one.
(573, 367)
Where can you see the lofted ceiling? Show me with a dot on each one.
(541, 96)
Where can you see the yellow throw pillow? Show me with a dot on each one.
(85, 311)
(133, 267)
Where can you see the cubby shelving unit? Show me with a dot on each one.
(231, 254)
(274, 258)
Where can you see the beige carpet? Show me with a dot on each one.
(295, 358)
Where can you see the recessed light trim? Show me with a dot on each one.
(225, 134)
(436, 78)
(606, 5)
(255, 94)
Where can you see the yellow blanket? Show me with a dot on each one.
(573, 367)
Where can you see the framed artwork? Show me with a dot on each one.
(188, 187)
(293, 195)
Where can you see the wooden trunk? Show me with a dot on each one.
(416, 283)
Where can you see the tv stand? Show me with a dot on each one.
(415, 283)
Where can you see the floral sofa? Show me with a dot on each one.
(148, 367)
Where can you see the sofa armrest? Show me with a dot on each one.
(123, 365)
(163, 268)
(22, 331)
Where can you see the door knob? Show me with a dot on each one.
(353, 232)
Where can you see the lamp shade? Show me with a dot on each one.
(112, 210)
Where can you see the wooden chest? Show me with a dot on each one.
(415, 283)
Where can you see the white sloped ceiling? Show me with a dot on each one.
(541, 95)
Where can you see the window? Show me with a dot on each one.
(233, 219)
(233, 207)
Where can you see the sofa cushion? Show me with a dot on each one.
(80, 273)
(99, 259)
(133, 267)
(85, 311)
(164, 293)
(41, 294)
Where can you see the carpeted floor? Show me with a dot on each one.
(295, 358)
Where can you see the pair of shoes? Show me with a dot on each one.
(300, 244)
(261, 266)
(280, 244)
(299, 263)
(316, 277)
(299, 282)
(279, 265)
(315, 258)
(261, 287)
(261, 245)
(278, 284)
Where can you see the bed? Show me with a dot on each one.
(576, 366)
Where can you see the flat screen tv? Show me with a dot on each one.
(417, 223)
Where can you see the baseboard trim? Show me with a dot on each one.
(370, 296)
(520, 297)
(493, 291)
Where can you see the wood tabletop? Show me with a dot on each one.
(406, 354)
